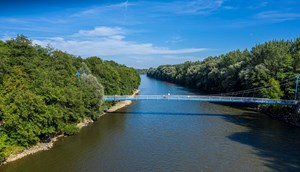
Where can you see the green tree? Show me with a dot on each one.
(40, 95)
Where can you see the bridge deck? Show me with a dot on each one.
(202, 99)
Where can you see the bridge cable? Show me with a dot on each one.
(253, 90)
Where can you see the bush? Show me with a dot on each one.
(70, 129)
(2, 157)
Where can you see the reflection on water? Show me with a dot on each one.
(173, 136)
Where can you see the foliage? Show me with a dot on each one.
(265, 65)
(70, 129)
(41, 96)
(142, 71)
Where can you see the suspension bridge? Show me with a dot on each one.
(231, 97)
(221, 99)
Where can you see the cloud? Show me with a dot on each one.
(109, 41)
(258, 6)
(277, 16)
(175, 7)
(265, 17)
(230, 8)
(194, 7)
(101, 31)
(101, 9)
(111, 47)
(174, 40)
(35, 24)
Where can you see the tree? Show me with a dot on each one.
(265, 65)
(40, 95)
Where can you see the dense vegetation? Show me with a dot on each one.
(41, 95)
(142, 71)
(266, 65)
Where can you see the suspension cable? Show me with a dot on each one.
(253, 90)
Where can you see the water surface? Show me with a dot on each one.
(173, 136)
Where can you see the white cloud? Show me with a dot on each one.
(100, 9)
(101, 31)
(277, 15)
(258, 6)
(111, 46)
(265, 17)
(111, 41)
(190, 7)
(230, 8)
(174, 40)
(176, 7)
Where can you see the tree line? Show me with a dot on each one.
(142, 71)
(41, 96)
(271, 65)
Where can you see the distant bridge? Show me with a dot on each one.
(199, 98)
(231, 97)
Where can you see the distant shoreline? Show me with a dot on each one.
(46, 146)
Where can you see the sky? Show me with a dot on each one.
(145, 34)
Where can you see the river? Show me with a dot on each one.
(172, 136)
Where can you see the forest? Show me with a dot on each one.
(45, 92)
(142, 71)
(272, 66)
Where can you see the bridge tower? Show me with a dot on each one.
(78, 75)
(296, 89)
(297, 109)
(296, 94)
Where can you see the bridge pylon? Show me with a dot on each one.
(297, 108)
(296, 89)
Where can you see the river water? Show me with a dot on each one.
(172, 136)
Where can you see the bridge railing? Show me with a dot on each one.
(202, 98)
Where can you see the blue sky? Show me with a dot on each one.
(146, 34)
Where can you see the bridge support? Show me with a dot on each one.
(296, 89)
(78, 75)
(297, 109)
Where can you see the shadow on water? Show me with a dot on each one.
(276, 143)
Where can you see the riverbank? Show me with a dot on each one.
(122, 104)
(285, 114)
(293, 119)
(46, 146)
